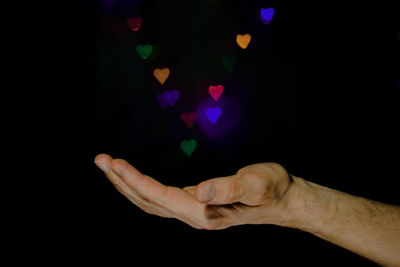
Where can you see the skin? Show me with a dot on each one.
(266, 194)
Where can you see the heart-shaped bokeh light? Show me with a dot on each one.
(189, 119)
(266, 15)
(156, 52)
(213, 114)
(144, 51)
(162, 101)
(135, 23)
(243, 40)
(171, 97)
(216, 91)
(188, 146)
(229, 63)
(161, 74)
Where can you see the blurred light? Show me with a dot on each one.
(213, 114)
(171, 96)
(156, 52)
(189, 119)
(229, 63)
(109, 2)
(216, 91)
(188, 146)
(161, 74)
(135, 23)
(228, 124)
(243, 40)
(144, 51)
(266, 15)
(162, 101)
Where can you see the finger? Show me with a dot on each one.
(189, 188)
(220, 191)
(145, 204)
(143, 184)
(175, 202)
(104, 162)
(172, 199)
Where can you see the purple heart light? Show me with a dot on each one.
(213, 114)
(266, 15)
(162, 101)
(171, 96)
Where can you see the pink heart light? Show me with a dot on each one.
(134, 24)
(216, 91)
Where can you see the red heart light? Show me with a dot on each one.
(134, 24)
(189, 118)
(216, 91)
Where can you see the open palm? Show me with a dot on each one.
(256, 194)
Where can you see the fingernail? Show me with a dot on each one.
(102, 166)
(207, 193)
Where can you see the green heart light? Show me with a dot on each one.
(188, 146)
(144, 51)
(229, 63)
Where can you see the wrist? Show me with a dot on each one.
(307, 206)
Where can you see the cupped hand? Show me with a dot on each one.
(256, 194)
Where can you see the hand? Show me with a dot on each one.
(256, 194)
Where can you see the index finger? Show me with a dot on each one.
(143, 184)
(175, 200)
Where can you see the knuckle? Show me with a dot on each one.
(254, 176)
(262, 170)
(275, 168)
(234, 191)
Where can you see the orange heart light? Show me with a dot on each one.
(161, 74)
(243, 40)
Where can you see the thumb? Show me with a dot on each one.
(220, 191)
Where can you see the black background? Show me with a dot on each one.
(317, 90)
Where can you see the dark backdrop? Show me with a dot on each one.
(317, 91)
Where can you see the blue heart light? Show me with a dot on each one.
(171, 96)
(266, 15)
(213, 114)
(162, 101)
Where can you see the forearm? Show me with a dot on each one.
(368, 228)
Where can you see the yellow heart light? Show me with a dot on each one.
(243, 40)
(161, 74)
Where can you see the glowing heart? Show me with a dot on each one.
(243, 40)
(213, 114)
(171, 96)
(229, 63)
(266, 15)
(144, 50)
(216, 91)
(156, 52)
(161, 74)
(188, 146)
(134, 24)
(162, 101)
(189, 119)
